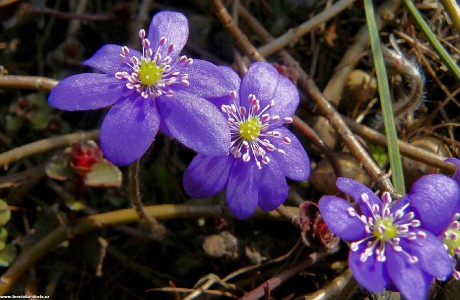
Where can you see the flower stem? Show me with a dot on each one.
(385, 101)
(158, 230)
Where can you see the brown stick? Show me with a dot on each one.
(27, 82)
(46, 145)
(275, 281)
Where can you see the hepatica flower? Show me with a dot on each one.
(148, 90)
(262, 152)
(447, 229)
(389, 244)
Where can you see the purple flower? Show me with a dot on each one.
(154, 89)
(262, 151)
(456, 163)
(449, 229)
(388, 242)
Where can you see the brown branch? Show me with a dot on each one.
(46, 145)
(332, 288)
(27, 82)
(240, 39)
(69, 16)
(407, 150)
(334, 88)
(276, 281)
(294, 34)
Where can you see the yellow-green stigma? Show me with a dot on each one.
(149, 73)
(250, 129)
(452, 240)
(390, 230)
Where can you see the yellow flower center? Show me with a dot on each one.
(390, 230)
(452, 244)
(250, 129)
(150, 73)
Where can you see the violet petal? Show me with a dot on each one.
(273, 188)
(371, 274)
(261, 80)
(334, 211)
(87, 91)
(107, 59)
(408, 278)
(195, 122)
(207, 175)
(400, 204)
(286, 98)
(208, 80)
(171, 25)
(435, 197)
(164, 129)
(128, 130)
(231, 76)
(242, 189)
(456, 162)
(426, 250)
(233, 84)
(295, 162)
(355, 190)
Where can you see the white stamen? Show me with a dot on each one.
(172, 72)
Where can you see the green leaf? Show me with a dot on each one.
(103, 174)
(5, 213)
(385, 100)
(7, 255)
(59, 167)
(3, 238)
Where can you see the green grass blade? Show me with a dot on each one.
(385, 100)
